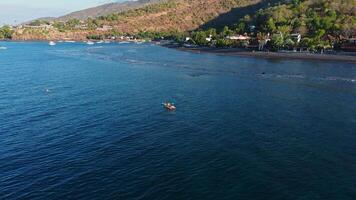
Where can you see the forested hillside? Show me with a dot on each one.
(320, 24)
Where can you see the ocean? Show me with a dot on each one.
(87, 122)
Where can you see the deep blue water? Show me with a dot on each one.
(86, 122)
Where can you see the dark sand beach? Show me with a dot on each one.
(274, 55)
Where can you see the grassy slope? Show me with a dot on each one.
(108, 9)
(182, 15)
(176, 15)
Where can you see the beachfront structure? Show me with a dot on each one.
(105, 28)
(209, 39)
(238, 37)
(43, 26)
(297, 37)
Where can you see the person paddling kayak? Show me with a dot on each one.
(169, 106)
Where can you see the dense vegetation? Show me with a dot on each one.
(6, 32)
(321, 23)
(152, 8)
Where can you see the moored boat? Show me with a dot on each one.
(169, 106)
(51, 43)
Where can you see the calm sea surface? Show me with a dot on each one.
(86, 122)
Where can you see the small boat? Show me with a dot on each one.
(90, 43)
(169, 106)
(100, 42)
(51, 43)
(3, 48)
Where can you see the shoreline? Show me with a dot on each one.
(269, 55)
(242, 52)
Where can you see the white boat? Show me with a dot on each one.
(3, 48)
(169, 106)
(70, 41)
(100, 42)
(51, 43)
(90, 43)
(107, 42)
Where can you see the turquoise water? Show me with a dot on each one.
(86, 122)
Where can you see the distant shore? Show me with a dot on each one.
(269, 55)
(342, 57)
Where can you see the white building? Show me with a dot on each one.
(209, 39)
(105, 28)
(296, 37)
(238, 37)
(44, 26)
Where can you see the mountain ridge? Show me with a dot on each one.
(107, 9)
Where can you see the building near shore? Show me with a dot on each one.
(239, 37)
(296, 37)
(43, 26)
(104, 28)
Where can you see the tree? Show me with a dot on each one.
(36, 23)
(73, 22)
(92, 23)
(289, 43)
(240, 27)
(6, 32)
(60, 26)
(277, 41)
(199, 38)
(271, 26)
(296, 3)
(284, 30)
(320, 33)
(226, 31)
(211, 32)
(222, 42)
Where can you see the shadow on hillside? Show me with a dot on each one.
(235, 14)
